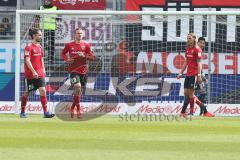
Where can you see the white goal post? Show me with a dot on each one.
(150, 36)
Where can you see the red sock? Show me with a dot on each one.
(76, 101)
(191, 101)
(44, 102)
(23, 104)
(199, 103)
(72, 107)
(78, 108)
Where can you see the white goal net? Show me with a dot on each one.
(138, 55)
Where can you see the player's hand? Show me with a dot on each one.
(35, 75)
(179, 76)
(70, 61)
(81, 54)
(199, 79)
(205, 81)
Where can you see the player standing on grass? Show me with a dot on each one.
(194, 67)
(34, 72)
(79, 52)
(200, 87)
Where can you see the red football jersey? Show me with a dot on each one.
(79, 65)
(192, 55)
(35, 53)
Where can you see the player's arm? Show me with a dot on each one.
(29, 64)
(184, 66)
(90, 56)
(43, 66)
(199, 67)
(199, 64)
(64, 55)
(199, 77)
(89, 53)
(44, 71)
(204, 78)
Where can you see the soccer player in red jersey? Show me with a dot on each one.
(79, 51)
(194, 67)
(200, 87)
(34, 72)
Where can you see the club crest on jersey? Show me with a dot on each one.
(83, 47)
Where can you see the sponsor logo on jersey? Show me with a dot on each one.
(199, 54)
(37, 54)
(189, 55)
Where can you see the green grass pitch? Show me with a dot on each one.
(109, 138)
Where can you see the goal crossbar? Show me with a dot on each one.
(97, 12)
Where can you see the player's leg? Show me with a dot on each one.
(205, 112)
(43, 99)
(201, 103)
(29, 86)
(202, 106)
(189, 85)
(83, 81)
(75, 82)
(77, 93)
(191, 96)
(24, 104)
(186, 99)
(192, 86)
(185, 103)
(40, 84)
(76, 99)
(202, 96)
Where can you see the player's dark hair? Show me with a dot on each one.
(33, 31)
(201, 39)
